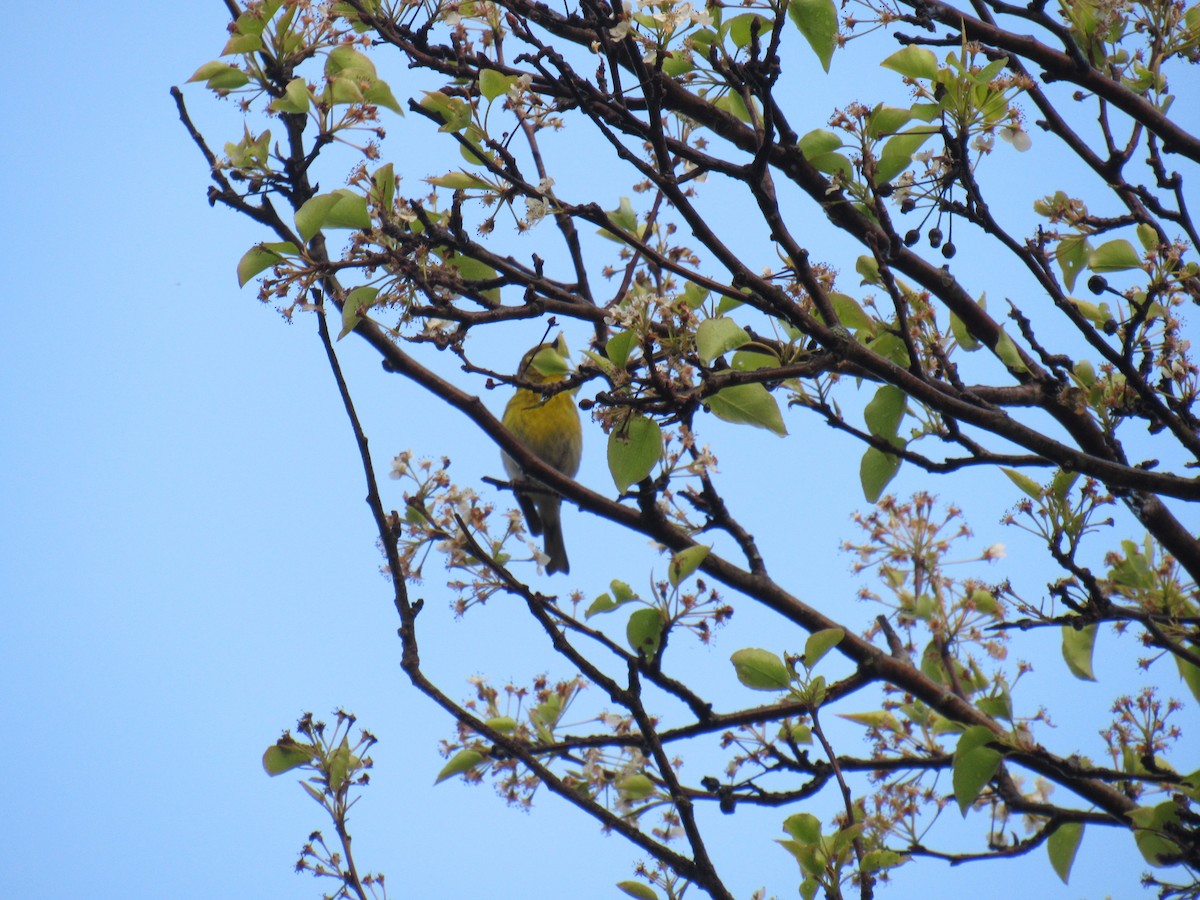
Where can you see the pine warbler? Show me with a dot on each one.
(548, 426)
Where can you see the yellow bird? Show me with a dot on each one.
(548, 426)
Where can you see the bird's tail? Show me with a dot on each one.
(552, 526)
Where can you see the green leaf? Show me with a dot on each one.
(1072, 255)
(644, 631)
(819, 643)
(638, 890)
(974, 765)
(849, 312)
(493, 84)
(460, 181)
(885, 411)
(619, 346)
(818, 22)
(503, 724)
(1077, 647)
(1030, 487)
(1190, 675)
(752, 361)
(220, 77)
(898, 152)
(621, 594)
(460, 762)
(868, 268)
(1147, 237)
(890, 347)
(715, 337)
(1061, 847)
(1008, 353)
(633, 450)
(341, 209)
(261, 257)
(876, 471)
(357, 302)
(803, 827)
(738, 28)
(887, 120)
(685, 562)
(761, 670)
(637, 786)
(1149, 822)
(875, 860)
(818, 147)
(1114, 256)
(383, 186)
(748, 404)
(286, 754)
(454, 112)
(913, 62)
(294, 99)
(962, 334)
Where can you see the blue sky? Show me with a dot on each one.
(188, 563)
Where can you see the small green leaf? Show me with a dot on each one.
(1077, 647)
(503, 724)
(876, 471)
(1030, 487)
(739, 28)
(803, 827)
(885, 411)
(286, 754)
(685, 562)
(493, 84)
(619, 346)
(868, 268)
(261, 257)
(962, 334)
(636, 786)
(974, 765)
(849, 313)
(460, 181)
(341, 209)
(460, 762)
(761, 670)
(1072, 255)
(913, 62)
(1114, 256)
(1190, 675)
(898, 152)
(621, 594)
(876, 860)
(294, 99)
(644, 631)
(220, 77)
(1149, 823)
(715, 337)
(1148, 237)
(748, 404)
(1008, 353)
(818, 22)
(879, 718)
(885, 121)
(638, 890)
(357, 302)
(819, 643)
(634, 449)
(1061, 847)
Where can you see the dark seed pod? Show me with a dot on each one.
(1097, 284)
(935, 237)
(911, 237)
(885, 190)
(908, 205)
(949, 250)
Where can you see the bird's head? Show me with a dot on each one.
(545, 363)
